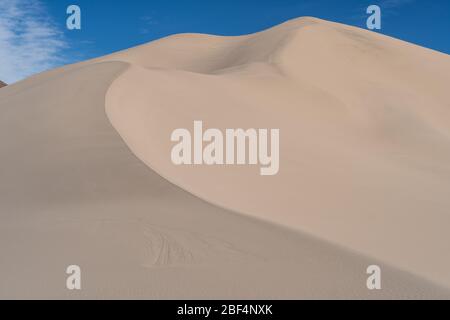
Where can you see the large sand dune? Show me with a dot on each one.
(86, 176)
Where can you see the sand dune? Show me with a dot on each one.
(87, 179)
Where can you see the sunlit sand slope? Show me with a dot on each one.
(364, 125)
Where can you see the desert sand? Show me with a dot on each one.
(87, 179)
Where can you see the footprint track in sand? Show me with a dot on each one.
(177, 247)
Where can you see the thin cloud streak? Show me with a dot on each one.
(392, 4)
(29, 41)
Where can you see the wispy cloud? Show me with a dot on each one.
(388, 8)
(29, 40)
(148, 22)
(392, 4)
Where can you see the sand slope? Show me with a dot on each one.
(371, 178)
(364, 121)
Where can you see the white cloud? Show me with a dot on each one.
(29, 40)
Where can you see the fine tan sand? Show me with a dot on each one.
(86, 175)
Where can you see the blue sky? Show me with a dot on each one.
(34, 37)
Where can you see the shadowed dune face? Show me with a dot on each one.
(83, 186)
